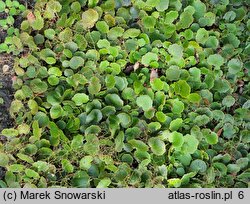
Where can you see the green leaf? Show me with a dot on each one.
(41, 166)
(37, 132)
(242, 162)
(131, 45)
(211, 137)
(139, 145)
(77, 142)
(92, 146)
(53, 80)
(202, 36)
(102, 26)
(201, 120)
(161, 117)
(186, 19)
(94, 116)
(2, 6)
(115, 100)
(221, 85)
(23, 129)
(194, 98)
(144, 102)
(94, 85)
(38, 23)
(65, 35)
(182, 88)
(42, 119)
(198, 166)
(76, 7)
(154, 126)
(174, 182)
(25, 158)
(55, 71)
(115, 33)
(125, 119)
(67, 166)
(85, 162)
(235, 66)
(176, 50)
(131, 33)
(176, 139)
(49, 33)
(148, 21)
(190, 144)
(162, 5)
(11, 132)
(119, 142)
(200, 9)
(171, 16)
(16, 168)
(175, 124)
(4, 161)
(157, 84)
(80, 98)
(121, 83)
(32, 174)
(103, 43)
(54, 134)
(76, 62)
(157, 146)
(207, 20)
(16, 106)
(54, 6)
(104, 183)
(81, 180)
(173, 73)
(89, 17)
(212, 42)
(215, 60)
(228, 101)
(127, 158)
(152, 3)
(211, 175)
(233, 168)
(148, 58)
(56, 111)
(229, 16)
(177, 106)
(38, 86)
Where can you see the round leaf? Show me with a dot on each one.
(176, 139)
(198, 166)
(145, 102)
(89, 17)
(157, 146)
(80, 98)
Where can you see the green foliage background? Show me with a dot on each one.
(125, 93)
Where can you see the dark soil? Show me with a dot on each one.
(6, 91)
(3, 33)
(2, 172)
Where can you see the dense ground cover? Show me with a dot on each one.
(127, 93)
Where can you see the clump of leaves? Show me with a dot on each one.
(130, 93)
(10, 10)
